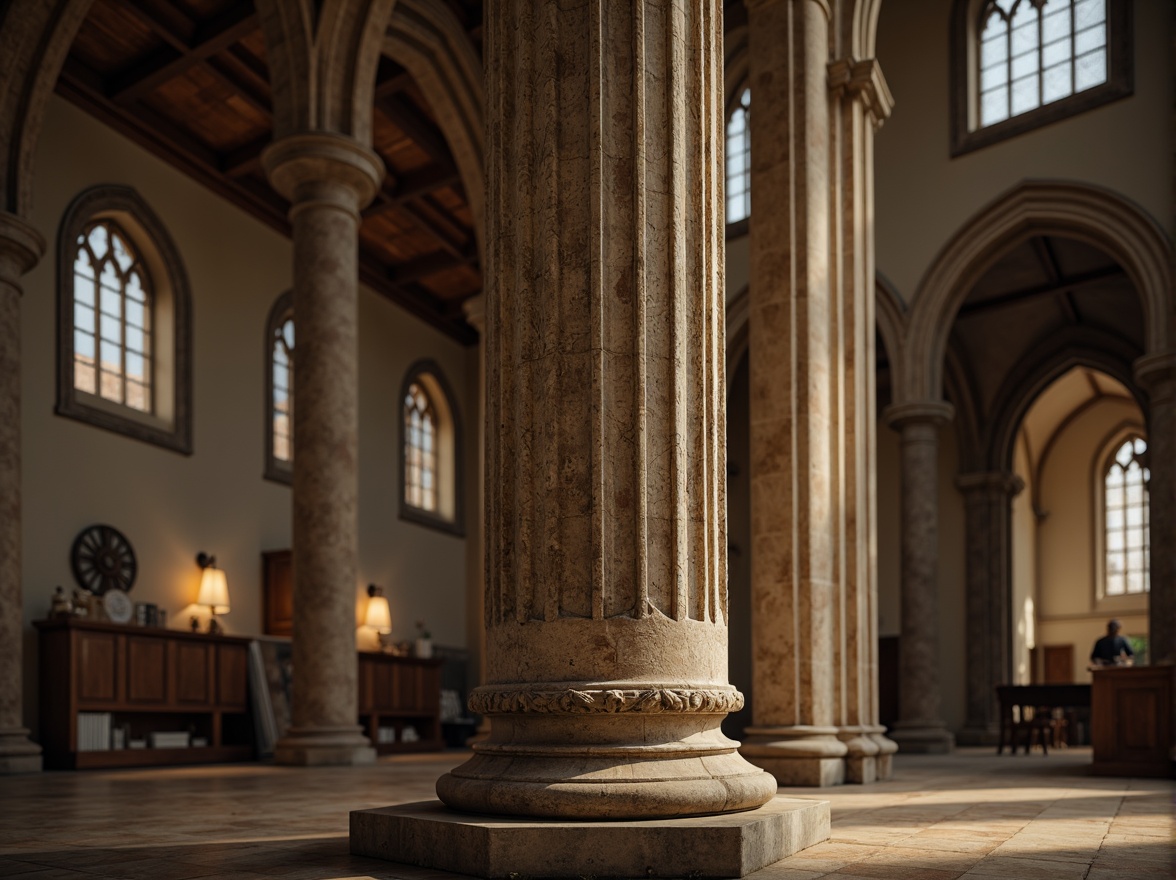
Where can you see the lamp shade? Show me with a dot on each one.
(379, 617)
(214, 590)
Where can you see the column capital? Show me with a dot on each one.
(918, 412)
(474, 310)
(863, 81)
(324, 168)
(1003, 483)
(21, 247)
(1156, 374)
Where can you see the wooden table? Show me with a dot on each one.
(1020, 701)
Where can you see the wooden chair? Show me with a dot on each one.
(1019, 718)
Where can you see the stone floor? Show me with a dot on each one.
(970, 814)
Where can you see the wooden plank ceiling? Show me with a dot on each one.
(187, 79)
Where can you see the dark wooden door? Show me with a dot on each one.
(278, 572)
(1058, 661)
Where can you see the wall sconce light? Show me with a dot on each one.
(214, 591)
(379, 616)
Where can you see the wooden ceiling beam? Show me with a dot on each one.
(433, 229)
(1063, 285)
(416, 126)
(245, 159)
(210, 38)
(414, 186)
(165, 20)
(431, 264)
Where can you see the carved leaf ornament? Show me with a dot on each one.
(582, 702)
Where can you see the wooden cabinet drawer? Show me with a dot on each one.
(193, 673)
(97, 670)
(232, 675)
(146, 670)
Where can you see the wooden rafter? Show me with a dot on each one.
(1061, 286)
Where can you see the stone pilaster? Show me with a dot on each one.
(1156, 374)
(861, 103)
(327, 179)
(21, 247)
(988, 506)
(606, 599)
(920, 726)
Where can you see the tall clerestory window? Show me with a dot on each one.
(739, 160)
(420, 449)
(1126, 520)
(1035, 52)
(279, 420)
(111, 318)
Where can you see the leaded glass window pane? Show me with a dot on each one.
(420, 450)
(1125, 519)
(739, 160)
(282, 403)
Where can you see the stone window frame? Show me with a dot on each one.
(1126, 603)
(964, 72)
(171, 321)
(451, 492)
(276, 469)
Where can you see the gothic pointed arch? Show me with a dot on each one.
(1088, 213)
(427, 40)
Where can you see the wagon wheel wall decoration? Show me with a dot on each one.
(102, 559)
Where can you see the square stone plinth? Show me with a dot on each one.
(430, 835)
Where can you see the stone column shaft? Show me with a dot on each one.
(988, 506)
(475, 312)
(862, 102)
(920, 726)
(792, 364)
(1157, 374)
(606, 576)
(21, 247)
(327, 178)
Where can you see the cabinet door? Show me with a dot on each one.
(382, 686)
(146, 670)
(97, 673)
(408, 687)
(232, 676)
(193, 673)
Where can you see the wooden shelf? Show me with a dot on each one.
(400, 692)
(148, 678)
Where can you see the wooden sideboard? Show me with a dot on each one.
(149, 680)
(1132, 720)
(396, 693)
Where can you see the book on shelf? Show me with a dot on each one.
(169, 739)
(93, 731)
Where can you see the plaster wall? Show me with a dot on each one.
(1069, 610)
(171, 506)
(923, 196)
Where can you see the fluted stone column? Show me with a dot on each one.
(988, 506)
(327, 179)
(21, 247)
(794, 733)
(606, 540)
(861, 103)
(1156, 373)
(475, 315)
(920, 726)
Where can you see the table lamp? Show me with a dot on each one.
(214, 591)
(379, 616)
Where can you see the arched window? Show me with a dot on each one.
(739, 160)
(430, 442)
(279, 398)
(1019, 64)
(1125, 519)
(124, 358)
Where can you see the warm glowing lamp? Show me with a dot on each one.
(214, 591)
(379, 616)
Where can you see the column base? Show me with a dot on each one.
(918, 739)
(978, 736)
(324, 746)
(18, 754)
(861, 759)
(800, 755)
(886, 750)
(731, 845)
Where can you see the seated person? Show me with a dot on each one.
(1112, 649)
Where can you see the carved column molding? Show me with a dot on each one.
(21, 248)
(988, 506)
(794, 360)
(1156, 374)
(606, 596)
(328, 178)
(861, 102)
(920, 726)
(475, 315)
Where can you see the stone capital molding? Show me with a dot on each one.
(863, 81)
(1156, 374)
(995, 483)
(922, 412)
(552, 700)
(21, 247)
(323, 168)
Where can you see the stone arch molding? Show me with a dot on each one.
(427, 40)
(1088, 213)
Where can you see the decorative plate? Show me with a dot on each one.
(118, 605)
(102, 559)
